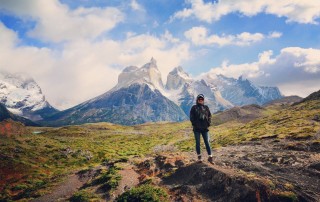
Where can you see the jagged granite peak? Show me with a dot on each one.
(135, 104)
(137, 98)
(148, 73)
(151, 64)
(23, 96)
(177, 78)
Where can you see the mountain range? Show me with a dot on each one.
(140, 96)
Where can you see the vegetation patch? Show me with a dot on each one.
(145, 193)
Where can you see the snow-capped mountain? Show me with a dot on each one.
(22, 96)
(140, 96)
(137, 98)
(148, 74)
(220, 92)
(183, 90)
(242, 91)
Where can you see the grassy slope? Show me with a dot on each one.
(31, 164)
(47, 157)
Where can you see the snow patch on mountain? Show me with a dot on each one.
(21, 94)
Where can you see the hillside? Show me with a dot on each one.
(242, 114)
(312, 96)
(271, 158)
(287, 100)
(6, 114)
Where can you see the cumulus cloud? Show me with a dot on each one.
(83, 69)
(199, 36)
(55, 22)
(294, 10)
(296, 71)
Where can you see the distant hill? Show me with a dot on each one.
(287, 100)
(6, 114)
(242, 114)
(312, 96)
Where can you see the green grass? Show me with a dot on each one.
(48, 157)
(83, 196)
(144, 193)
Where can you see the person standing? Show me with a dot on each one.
(200, 118)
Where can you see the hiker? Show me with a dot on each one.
(200, 118)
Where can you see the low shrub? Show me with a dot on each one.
(144, 193)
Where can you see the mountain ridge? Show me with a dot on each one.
(141, 96)
(23, 96)
(6, 114)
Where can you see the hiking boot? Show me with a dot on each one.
(210, 159)
(199, 159)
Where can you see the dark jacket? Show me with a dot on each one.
(200, 124)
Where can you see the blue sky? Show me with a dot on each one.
(69, 46)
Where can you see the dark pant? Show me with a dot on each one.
(205, 137)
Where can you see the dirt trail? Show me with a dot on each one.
(129, 179)
(66, 189)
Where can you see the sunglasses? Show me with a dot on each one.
(201, 99)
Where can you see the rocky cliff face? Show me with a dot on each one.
(23, 96)
(136, 99)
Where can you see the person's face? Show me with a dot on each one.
(200, 100)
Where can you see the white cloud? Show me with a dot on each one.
(136, 6)
(83, 69)
(294, 10)
(168, 36)
(57, 23)
(275, 34)
(295, 70)
(199, 36)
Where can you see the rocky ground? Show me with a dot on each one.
(265, 170)
(268, 170)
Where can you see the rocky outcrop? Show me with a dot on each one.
(265, 170)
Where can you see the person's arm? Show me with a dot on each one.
(192, 115)
(209, 116)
